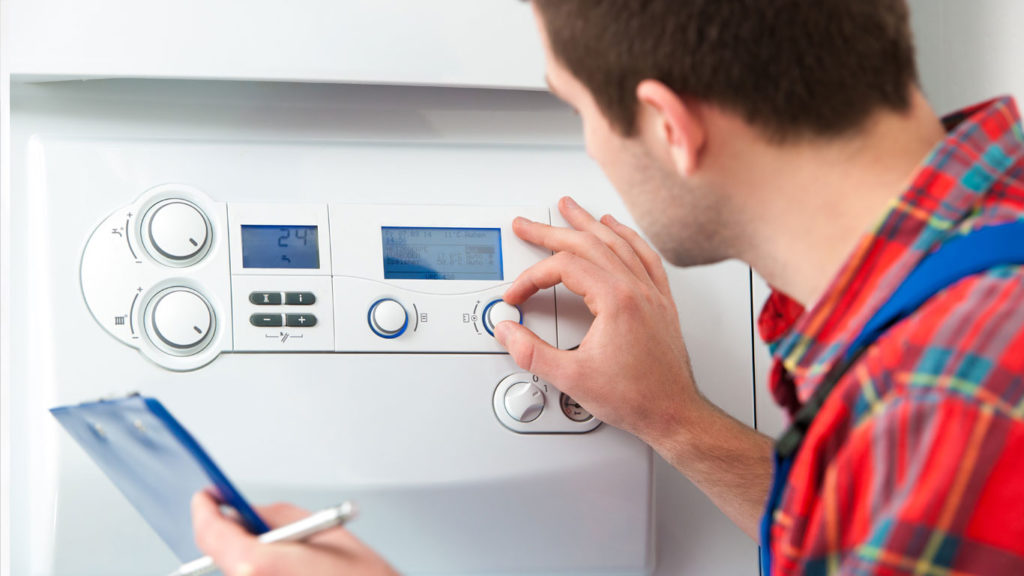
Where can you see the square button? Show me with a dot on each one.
(265, 320)
(299, 298)
(265, 298)
(300, 320)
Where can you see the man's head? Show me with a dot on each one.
(659, 82)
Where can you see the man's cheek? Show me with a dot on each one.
(590, 144)
(597, 147)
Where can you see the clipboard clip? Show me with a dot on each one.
(115, 397)
(98, 428)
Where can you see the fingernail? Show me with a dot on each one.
(611, 218)
(569, 202)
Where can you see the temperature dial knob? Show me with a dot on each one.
(524, 401)
(388, 318)
(497, 312)
(181, 321)
(176, 232)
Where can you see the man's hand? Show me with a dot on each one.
(238, 553)
(631, 370)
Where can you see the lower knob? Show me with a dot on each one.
(181, 320)
(524, 401)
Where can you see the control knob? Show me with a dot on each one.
(499, 311)
(388, 318)
(176, 232)
(524, 401)
(181, 320)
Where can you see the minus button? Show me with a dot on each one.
(266, 320)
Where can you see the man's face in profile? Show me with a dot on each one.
(678, 217)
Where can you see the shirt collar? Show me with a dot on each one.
(983, 142)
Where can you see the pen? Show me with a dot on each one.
(317, 522)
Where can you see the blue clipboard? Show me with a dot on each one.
(155, 463)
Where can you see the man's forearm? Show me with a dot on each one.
(726, 459)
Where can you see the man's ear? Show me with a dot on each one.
(670, 122)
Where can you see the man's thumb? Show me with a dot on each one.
(528, 350)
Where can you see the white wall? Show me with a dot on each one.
(969, 50)
(438, 43)
(5, 182)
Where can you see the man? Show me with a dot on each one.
(791, 135)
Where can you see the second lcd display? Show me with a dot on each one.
(442, 253)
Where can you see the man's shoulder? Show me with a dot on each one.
(965, 344)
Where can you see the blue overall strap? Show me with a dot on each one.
(958, 258)
(780, 477)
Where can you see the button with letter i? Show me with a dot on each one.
(299, 298)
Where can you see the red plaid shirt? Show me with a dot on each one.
(915, 464)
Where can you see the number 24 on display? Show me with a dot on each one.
(300, 234)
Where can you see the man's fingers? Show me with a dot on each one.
(577, 274)
(221, 539)
(297, 559)
(279, 514)
(238, 553)
(650, 258)
(583, 244)
(608, 244)
(582, 220)
(533, 354)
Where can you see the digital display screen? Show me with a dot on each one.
(442, 253)
(280, 247)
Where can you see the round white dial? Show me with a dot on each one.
(389, 318)
(524, 401)
(178, 230)
(498, 312)
(181, 318)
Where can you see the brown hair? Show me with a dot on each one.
(791, 67)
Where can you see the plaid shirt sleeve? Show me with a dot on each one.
(952, 503)
(919, 468)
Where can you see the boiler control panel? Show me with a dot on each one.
(184, 278)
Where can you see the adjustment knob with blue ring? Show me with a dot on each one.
(499, 311)
(388, 318)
